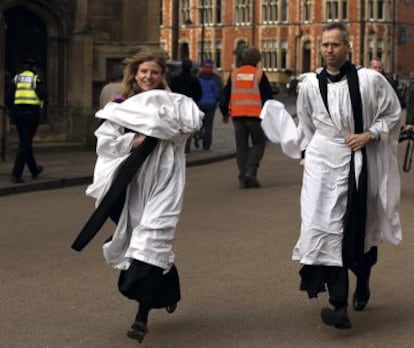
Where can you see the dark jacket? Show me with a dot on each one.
(187, 84)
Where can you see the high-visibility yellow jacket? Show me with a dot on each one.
(245, 92)
(25, 93)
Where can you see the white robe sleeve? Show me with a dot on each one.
(113, 147)
(157, 113)
(279, 127)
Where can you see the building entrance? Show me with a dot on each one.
(25, 36)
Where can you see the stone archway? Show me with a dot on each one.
(25, 36)
(39, 29)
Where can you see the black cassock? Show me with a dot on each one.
(141, 281)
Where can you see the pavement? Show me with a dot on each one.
(239, 286)
(64, 168)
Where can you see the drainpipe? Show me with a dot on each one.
(362, 36)
(253, 23)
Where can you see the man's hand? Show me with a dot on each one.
(138, 139)
(357, 141)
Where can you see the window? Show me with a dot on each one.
(274, 11)
(344, 10)
(207, 15)
(185, 12)
(240, 47)
(269, 54)
(207, 51)
(218, 11)
(269, 11)
(161, 11)
(284, 4)
(218, 55)
(242, 12)
(283, 55)
(336, 10)
(307, 10)
(376, 9)
(212, 11)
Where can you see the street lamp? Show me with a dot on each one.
(203, 29)
(174, 36)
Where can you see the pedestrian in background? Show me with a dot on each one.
(410, 100)
(26, 97)
(141, 246)
(400, 88)
(211, 88)
(187, 83)
(113, 88)
(245, 93)
(376, 64)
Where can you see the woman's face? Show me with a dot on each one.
(149, 76)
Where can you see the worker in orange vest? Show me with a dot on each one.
(243, 97)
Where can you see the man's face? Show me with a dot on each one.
(376, 65)
(334, 50)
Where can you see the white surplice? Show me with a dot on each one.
(146, 228)
(327, 162)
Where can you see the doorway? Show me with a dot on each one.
(306, 57)
(26, 35)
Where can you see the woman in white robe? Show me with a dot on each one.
(141, 246)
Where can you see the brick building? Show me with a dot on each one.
(287, 32)
(77, 42)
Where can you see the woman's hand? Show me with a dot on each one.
(138, 139)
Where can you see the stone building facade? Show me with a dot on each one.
(288, 31)
(77, 43)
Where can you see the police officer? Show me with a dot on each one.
(25, 98)
(244, 95)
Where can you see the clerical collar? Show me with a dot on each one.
(338, 76)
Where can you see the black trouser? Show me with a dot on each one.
(248, 130)
(337, 278)
(315, 277)
(207, 128)
(27, 120)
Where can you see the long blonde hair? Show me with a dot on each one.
(129, 84)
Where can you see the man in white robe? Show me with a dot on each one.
(336, 156)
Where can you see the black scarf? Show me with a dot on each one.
(113, 201)
(356, 209)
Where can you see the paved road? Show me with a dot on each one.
(233, 248)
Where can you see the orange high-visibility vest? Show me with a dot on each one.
(245, 97)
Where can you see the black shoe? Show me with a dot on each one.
(242, 182)
(16, 180)
(137, 331)
(361, 295)
(36, 174)
(172, 308)
(252, 182)
(337, 318)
